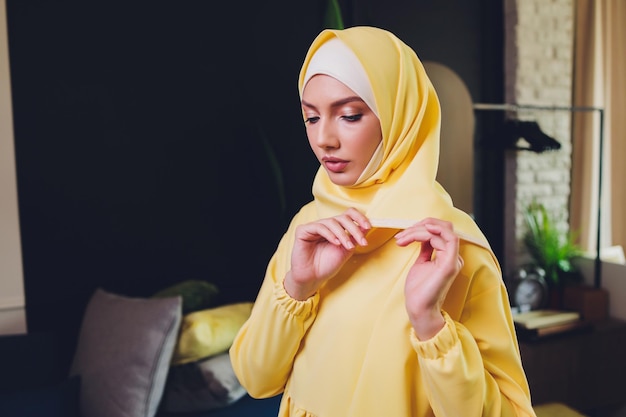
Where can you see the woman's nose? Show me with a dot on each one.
(326, 135)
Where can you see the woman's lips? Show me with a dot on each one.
(334, 164)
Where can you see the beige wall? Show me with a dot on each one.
(12, 311)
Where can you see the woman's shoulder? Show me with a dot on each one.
(479, 261)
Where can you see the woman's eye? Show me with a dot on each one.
(311, 120)
(353, 117)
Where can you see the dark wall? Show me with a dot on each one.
(140, 129)
(139, 144)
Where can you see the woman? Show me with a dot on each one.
(382, 299)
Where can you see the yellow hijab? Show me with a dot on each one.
(404, 186)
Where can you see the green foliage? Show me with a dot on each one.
(196, 294)
(277, 172)
(332, 17)
(550, 248)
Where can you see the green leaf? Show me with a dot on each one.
(196, 294)
(276, 171)
(550, 248)
(332, 17)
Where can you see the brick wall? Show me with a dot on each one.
(538, 66)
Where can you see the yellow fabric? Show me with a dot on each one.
(350, 351)
(208, 332)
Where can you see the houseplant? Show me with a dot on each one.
(552, 249)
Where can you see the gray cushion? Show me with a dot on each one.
(123, 353)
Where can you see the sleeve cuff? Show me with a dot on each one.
(440, 344)
(291, 306)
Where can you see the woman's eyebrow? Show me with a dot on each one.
(337, 103)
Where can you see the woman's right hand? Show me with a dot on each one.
(321, 248)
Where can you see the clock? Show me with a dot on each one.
(529, 289)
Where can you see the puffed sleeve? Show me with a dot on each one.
(472, 366)
(263, 352)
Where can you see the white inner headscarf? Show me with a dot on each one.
(336, 60)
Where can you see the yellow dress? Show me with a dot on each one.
(350, 351)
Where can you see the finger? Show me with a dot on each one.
(413, 234)
(447, 249)
(436, 239)
(327, 230)
(440, 244)
(443, 229)
(359, 218)
(444, 224)
(342, 235)
(426, 253)
(346, 231)
(353, 229)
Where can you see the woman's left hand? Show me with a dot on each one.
(432, 274)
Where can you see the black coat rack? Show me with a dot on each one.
(597, 278)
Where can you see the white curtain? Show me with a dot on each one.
(599, 81)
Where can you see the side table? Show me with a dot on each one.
(586, 370)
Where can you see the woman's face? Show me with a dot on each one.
(342, 130)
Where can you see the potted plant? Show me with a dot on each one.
(551, 249)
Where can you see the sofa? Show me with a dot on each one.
(129, 361)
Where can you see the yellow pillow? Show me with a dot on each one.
(208, 332)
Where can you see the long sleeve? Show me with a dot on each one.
(472, 366)
(263, 352)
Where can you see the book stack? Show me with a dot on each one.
(537, 324)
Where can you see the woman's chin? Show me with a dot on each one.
(341, 178)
